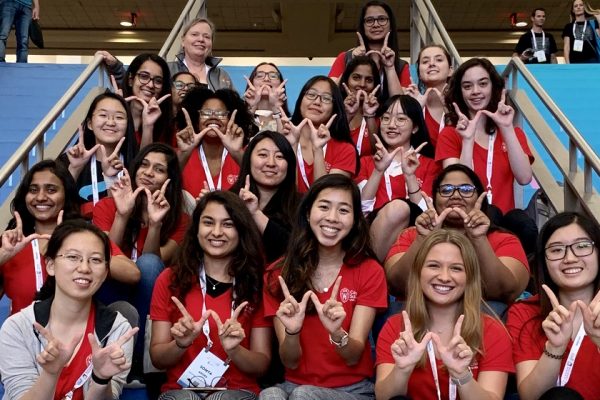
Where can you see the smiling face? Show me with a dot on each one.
(218, 122)
(476, 89)
(455, 178)
(378, 30)
(266, 75)
(331, 217)
(148, 81)
(153, 171)
(443, 278)
(317, 110)
(185, 81)
(45, 197)
(396, 127)
(572, 272)
(434, 68)
(197, 42)
(267, 164)
(74, 278)
(217, 234)
(361, 79)
(108, 122)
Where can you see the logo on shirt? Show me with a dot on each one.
(231, 179)
(347, 295)
(327, 166)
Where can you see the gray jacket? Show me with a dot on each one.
(20, 343)
(217, 77)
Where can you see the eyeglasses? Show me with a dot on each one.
(559, 251)
(465, 190)
(77, 259)
(205, 113)
(399, 119)
(382, 20)
(118, 118)
(272, 75)
(145, 78)
(179, 85)
(313, 94)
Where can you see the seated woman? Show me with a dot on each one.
(443, 344)
(360, 87)
(459, 202)
(215, 126)
(46, 196)
(219, 317)
(404, 160)
(66, 345)
(556, 333)
(265, 95)
(267, 185)
(106, 145)
(324, 295)
(319, 133)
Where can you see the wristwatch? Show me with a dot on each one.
(463, 380)
(343, 340)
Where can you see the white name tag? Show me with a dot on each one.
(205, 371)
(578, 45)
(540, 55)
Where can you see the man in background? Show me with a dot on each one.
(537, 46)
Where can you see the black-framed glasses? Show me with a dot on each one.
(145, 78)
(381, 20)
(219, 114)
(559, 251)
(313, 94)
(179, 85)
(465, 190)
(77, 259)
(272, 75)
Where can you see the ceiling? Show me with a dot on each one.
(284, 28)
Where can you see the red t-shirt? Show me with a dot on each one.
(338, 155)
(496, 357)
(426, 173)
(503, 196)
(320, 364)
(339, 65)
(194, 176)
(365, 149)
(104, 215)
(504, 244)
(162, 308)
(433, 127)
(524, 324)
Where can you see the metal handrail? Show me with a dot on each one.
(172, 45)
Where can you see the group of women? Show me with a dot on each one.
(253, 236)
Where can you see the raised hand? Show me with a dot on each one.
(429, 220)
(187, 138)
(406, 351)
(115, 86)
(320, 136)
(231, 333)
(413, 91)
(291, 313)
(249, 198)
(157, 204)
(386, 54)
(252, 95)
(466, 128)
(558, 325)
(351, 102)
(186, 330)
(410, 160)
(112, 164)
(110, 360)
(331, 313)
(370, 103)
(291, 131)
(55, 354)
(476, 222)
(123, 194)
(78, 156)
(591, 318)
(233, 137)
(361, 49)
(382, 158)
(457, 355)
(151, 111)
(13, 240)
(504, 115)
(277, 96)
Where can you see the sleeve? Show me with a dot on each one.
(104, 214)
(388, 335)
(115, 250)
(567, 30)
(179, 232)
(337, 69)
(270, 303)
(343, 158)
(161, 304)
(497, 355)
(373, 289)
(524, 145)
(403, 242)
(449, 144)
(430, 171)
(522, 45)
(365, 169)
(508, 245)
(405, 76)
(259, 319)
(525, 329)
(118, 381)
(118, 71)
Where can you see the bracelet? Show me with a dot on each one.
(292, 333)
(369, 115)
(182, 347)
(553, 356)
(415, 192)
(100, 381)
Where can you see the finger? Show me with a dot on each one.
(188, 120)
(305, 298)
(458, 325)
(336, 288)
(440, 218)
(427, 338)
(428, 201)
(316, 302)
(407, 323)
(128, 99)
(217, 320)
(360, 39)
(80, 134)
(284, 288)
(553, 300)
(43, 331)
(303, 122)
(238, 310)
(418, 149)
(19, 222)
(93, 343)
(118, 146)
(250, 85)
(346, 88)
(128, 335)
(232, 119)
(166, 96)
(113, 82)
(282, 84)
(181, 307)
(460, 212)
(328, 124)
(503, 97)
(163, 188)
(457, 109)
(385, 41)
(376, 89)
(247, 184)
(479, 201)
(59, 219)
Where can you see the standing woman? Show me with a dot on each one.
(106, 144)
(319, 133)
(377, 38)
(197, 43)
(209, 302)
(560, 326)
(265, 95)
(267, 184)
(324, 295)
(580, 35)
(183, 82)
(442, 343)
(66, 345)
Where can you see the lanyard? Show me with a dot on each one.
(37, 262)
(301, 163)
(134, 253)
(582, 31)
(436, 379)
(94, 173)
(206, 326)
(361, 135)
(209, 178)
(490, 164)
(534, 41)
(566, 374)
(388, 182)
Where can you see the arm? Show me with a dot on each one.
(373, 129)
(290, 350)
(124, 270)
(164, 352)
(519, 161)
(393, 82)
(319, 168)
(35, 12)
(566, 49)
(391, 381)
(369, 191)
(362, 322)
(254, 361)
(152, 243)
(117, 230)
(490, 385)
(534, 377)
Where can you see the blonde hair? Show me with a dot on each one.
(471, 301)
(197, 21)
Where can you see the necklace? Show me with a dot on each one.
(213, 282)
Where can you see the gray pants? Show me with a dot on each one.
(221, 395)
(363, 390)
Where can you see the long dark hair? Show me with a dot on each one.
(59, 235)
(352, 65)
(247, 261)
(284, 202)
(162, 128)
(253, 75)
(302, 256)
(454, 91)
(173, 194)
(18, 203)
(412, 109)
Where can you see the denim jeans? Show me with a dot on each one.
(18, 14)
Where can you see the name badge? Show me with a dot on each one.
(578, 45)
(205, 371)
(540, 55)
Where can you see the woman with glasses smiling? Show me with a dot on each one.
(377, 39)
(459, 202)
(183, 82)
(556, 334)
